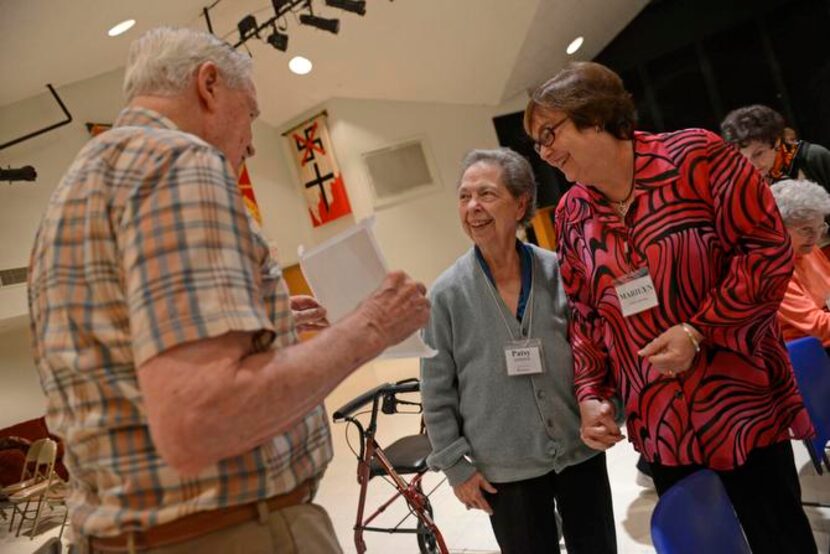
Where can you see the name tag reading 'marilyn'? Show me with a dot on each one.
(636, 292)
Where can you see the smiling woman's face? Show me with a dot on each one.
(489, 213)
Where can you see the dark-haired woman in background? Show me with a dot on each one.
(759, 133)
(675, 259)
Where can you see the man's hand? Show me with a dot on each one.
(672, 352)
(599, 430)
(309, 315)
(469, 492)
(398, 308)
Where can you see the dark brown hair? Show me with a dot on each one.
(591, 95)
(752, 123)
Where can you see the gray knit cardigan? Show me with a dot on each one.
(478, 417)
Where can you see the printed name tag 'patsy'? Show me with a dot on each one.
(636, 292)
(524, 357)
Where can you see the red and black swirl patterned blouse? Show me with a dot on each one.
(707, 229)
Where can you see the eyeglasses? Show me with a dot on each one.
(812, 230)
(547, 136)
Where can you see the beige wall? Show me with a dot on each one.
(421, 236)
(21, 204)
(20, 394)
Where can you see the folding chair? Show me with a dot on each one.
(812, 373)
(26, 479)
(27, 474)
(37, 488)
(695, 515)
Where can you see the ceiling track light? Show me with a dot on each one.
(322, 23)
(354, 6)
(278, 40)
(247, 28)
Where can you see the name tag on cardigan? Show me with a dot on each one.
(636, 292)
(524, 357)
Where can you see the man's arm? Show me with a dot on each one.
(214, 398)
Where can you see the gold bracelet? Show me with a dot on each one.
(691, 336)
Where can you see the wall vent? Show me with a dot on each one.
(400, 171)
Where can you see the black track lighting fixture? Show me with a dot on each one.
(354, 6)
(247, 28)
(250, 28)
(322, 23)
(278, 40)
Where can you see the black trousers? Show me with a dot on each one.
(767, 498)
(523, 511)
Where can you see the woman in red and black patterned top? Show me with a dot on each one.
(675, 259)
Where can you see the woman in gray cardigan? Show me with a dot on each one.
(498, 397)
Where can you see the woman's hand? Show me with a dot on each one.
(598, 429)
(673, 351)
(469, 492)
(308, 314)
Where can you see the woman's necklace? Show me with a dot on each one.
(623, 205)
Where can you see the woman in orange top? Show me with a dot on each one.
(805, 308)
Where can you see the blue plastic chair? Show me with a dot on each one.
(695, 516)
(812, 373)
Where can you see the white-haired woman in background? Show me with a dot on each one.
(805, 310)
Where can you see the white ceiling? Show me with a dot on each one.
(455, 51)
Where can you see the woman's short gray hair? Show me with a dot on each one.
(516, 174)
(163, 60)
(800, 200)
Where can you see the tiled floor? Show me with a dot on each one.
(466, 531)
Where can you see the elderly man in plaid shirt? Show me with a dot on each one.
(164, 335)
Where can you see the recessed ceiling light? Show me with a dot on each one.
(299, 65)
(121, 28)
(574, 45)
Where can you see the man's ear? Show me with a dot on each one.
(207, 80)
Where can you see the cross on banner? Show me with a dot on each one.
(317, 167)
(309, 144)
(319, 181)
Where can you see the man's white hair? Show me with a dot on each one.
(800, 200)
(163, 61)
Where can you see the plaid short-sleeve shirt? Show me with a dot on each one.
(145, 245)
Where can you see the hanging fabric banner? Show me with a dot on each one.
(247, 190)
(325, 192)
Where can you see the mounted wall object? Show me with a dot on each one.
(401, 172)
(317, 167)
(66, 121)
